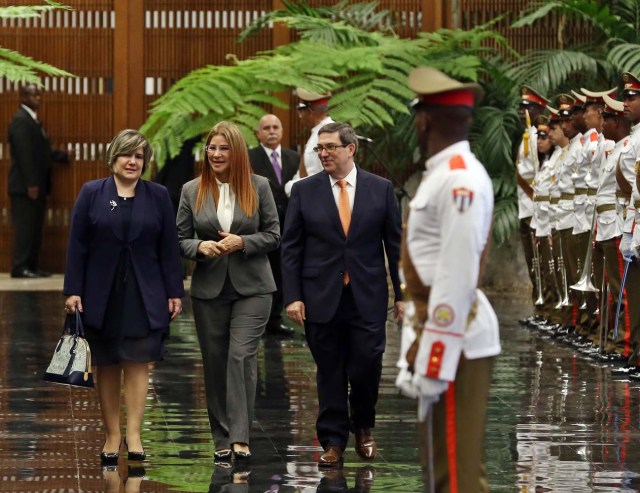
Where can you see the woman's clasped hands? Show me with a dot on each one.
(229, 244)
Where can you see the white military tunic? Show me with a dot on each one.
(527, 168)
(607, 209)
(447, 230)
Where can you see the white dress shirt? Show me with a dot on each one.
(226, 204)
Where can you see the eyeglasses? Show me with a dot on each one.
(328, 147)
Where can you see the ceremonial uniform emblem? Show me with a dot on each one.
(443, 315)
(463, 197)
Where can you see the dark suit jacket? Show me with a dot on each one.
(96, 242)
(31, 155)
(249, 271)
(261, 164)
(315, 251)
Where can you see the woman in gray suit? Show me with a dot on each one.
(227, 222)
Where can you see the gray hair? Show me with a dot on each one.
(125, 143)
(345, 131)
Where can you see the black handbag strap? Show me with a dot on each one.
(73, 324)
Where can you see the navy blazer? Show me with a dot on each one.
(316, 252)
(97, 239)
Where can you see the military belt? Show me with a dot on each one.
(581, 191)
(622, 195)
(592, 191)
(566, 196)
(541, 198)
(555, 200)
(636, 204)
(605, 208)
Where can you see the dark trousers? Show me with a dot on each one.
(275, 318)
(27, 218)
(527, 247)
(348, 352)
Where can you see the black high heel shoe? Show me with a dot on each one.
(135, 456)
(241, 455)
(222, 454)
(108, 458)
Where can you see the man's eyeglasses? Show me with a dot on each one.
(328, 147)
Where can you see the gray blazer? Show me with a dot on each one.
(248, 270)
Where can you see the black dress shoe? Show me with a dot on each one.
(24, 274)
(42, 273)
(279, 330)
(624, 371)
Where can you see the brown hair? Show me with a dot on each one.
(239, 171)
(125, 143)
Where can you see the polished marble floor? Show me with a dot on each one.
(556, 421)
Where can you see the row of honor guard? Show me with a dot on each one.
(578, 205)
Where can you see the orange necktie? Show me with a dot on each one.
(344, 210)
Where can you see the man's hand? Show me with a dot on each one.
(33, 192)
(295, 311)
(398, 312)
(175, 307)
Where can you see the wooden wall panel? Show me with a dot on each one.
(77, 113)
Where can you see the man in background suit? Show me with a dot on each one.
(278, 165)
(339, 225)
(29, 182)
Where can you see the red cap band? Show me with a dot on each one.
(450, 98)
(533, 98)
(317, 102)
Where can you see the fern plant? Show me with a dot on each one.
(16, 67)
(351, 50)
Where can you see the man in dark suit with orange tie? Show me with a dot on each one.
(340, 224)
(278, 165)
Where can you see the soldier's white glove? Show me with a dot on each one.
(404, 382)
(626, 246)
(404, 379)
(429, 390)
(429, 387)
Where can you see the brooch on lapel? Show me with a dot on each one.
(113, 204)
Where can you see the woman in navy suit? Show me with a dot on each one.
(228, 222)
(124, 274)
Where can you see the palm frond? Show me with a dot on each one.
(625, 58)
(551, 69)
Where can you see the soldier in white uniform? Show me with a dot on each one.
(609, 210)
(448, 353)
(561, 143)
(547, 155)
(628, 167)
(313, 110)
(527, 165)
(565, 209)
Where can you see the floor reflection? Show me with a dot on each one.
(557, 422)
